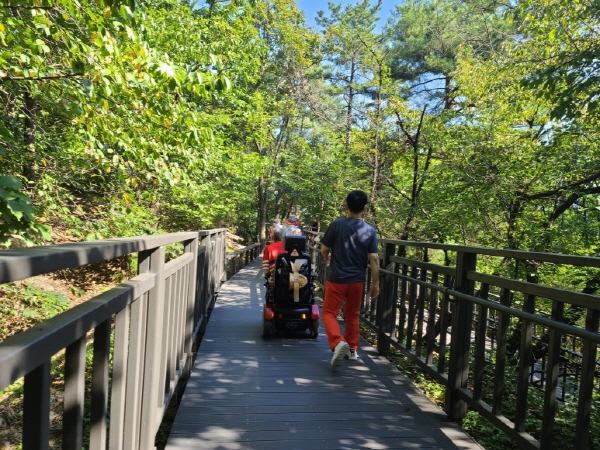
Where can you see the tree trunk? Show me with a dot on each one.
(376, 160)
(350, 106)
(29, 111)
(261, 225)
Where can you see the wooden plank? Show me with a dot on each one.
(246, 392)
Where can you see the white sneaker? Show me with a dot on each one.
(341, 351)
(353, 354)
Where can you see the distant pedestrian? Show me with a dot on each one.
(315, 225)
(353, 245)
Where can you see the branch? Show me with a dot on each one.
(27, 7)
(427, 81)
(43, 77)
(571, 199)
(553, 192)
(395, 188)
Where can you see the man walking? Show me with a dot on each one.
(353, 245)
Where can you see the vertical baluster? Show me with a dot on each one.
(119, 378)
(503, 324)
(444, 322)
(412, 304)
(402, 305)
(169, 336)
(99, 395)
(74, 394)
(554, 344)
(420, 306)
(524, 365)
(36, 408)
(586, 388)
(480, 344)
(431, 319)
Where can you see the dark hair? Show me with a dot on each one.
(356, 201)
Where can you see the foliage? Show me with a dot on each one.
(123, 111)
(560, 48)
(486, 434)
(29, 304)
(537, 172)
(16, 213)
(120, 120)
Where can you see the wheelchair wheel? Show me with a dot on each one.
(314, 329)
(267, 328)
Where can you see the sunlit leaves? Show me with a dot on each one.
(16, 211)
(560, 48)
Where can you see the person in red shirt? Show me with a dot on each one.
(270, 256)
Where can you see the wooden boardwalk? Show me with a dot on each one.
(279, 394)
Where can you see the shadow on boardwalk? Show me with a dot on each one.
(249, 393)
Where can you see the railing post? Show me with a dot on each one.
(209, 273)
(586, 389)
(209, 243)
(221, 262)
(153, 391)
(385, 317)
(190, 247)
(203, 289)
(458, 366)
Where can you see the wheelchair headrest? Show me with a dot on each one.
(297, 243)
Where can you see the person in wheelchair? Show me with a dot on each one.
(290, 303)
(269, 257)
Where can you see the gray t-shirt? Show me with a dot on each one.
(350, 240)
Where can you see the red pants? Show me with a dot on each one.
(350, 295)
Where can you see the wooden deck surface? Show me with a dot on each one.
(249, 393)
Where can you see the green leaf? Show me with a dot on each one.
(5, 132)
(10, 182)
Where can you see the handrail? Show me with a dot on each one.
(153, 320)
(238, 259)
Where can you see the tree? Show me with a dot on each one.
(560, 47)
(349, 40)
(539, 170)
(425, 36)
(104, 114)
(280, 97)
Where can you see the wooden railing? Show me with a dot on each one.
(240, 258)
(140, 335)
(484, 336)
(490, 337)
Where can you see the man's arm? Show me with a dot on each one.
(324, 252)
(374, 263)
